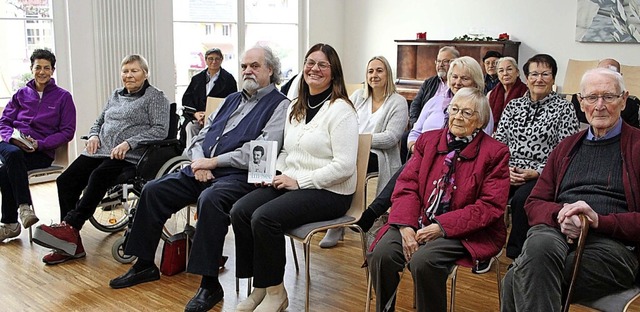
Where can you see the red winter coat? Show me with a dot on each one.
(542, 208)
(478, 199)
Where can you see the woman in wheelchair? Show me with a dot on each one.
(135, 113)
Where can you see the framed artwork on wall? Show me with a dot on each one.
(608, 21)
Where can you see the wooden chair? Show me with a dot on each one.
(352, 87)
(305, 233)
(575, 70)
(619, 301)
(213, 103)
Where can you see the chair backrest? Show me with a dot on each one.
(212, 105)
(358, 203)
(352, 87)
(173, 121)
(573, 75)
(631, 76)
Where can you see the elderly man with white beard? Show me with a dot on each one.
(216, 179)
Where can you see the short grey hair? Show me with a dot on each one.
(450, 49)
(510, 60)
(272, 61)
(601, 71)
(136, 58)
(476, 96)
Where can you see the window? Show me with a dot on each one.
(28, 25)
(268, 22)
(226, 30)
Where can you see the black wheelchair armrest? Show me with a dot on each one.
(165, 142)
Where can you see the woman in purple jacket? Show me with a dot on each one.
(45, 116)
(447, 206)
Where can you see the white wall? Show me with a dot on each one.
(369, 27)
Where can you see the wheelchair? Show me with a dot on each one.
(116, 209)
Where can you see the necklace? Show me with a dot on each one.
(317, 105)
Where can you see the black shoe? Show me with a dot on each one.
(134, 278)
(204, 300)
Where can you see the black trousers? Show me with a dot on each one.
(519, 221)
(260, 220)
(382, 202)
(162, 197)
(430, 266)
(93, 175)
(14, 180)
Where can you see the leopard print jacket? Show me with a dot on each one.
(533, 129)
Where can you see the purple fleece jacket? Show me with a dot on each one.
(51, 120)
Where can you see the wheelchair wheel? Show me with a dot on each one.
(110, 215)
(117, 251)
(184, 219)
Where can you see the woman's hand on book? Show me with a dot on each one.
(23, 146)
(285, 182)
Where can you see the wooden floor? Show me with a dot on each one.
(338, 282)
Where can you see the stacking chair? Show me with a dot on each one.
(60, 162)
(619, 301)
(305, 233)
(352, 87)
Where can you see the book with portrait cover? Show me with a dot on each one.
(20, 137)
(262, 162)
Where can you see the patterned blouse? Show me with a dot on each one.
(533, 129)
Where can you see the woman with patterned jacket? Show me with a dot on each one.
(138, 112)
(532, 126)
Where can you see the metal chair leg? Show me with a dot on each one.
(295, 255)
(307, 249)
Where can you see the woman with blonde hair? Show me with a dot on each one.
(383, 113)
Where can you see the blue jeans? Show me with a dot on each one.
(14, 180)
(540, 275)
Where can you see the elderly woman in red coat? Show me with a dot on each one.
(447, 207)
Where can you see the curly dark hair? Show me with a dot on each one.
(44, 54)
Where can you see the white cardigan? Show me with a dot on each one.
(322, 154)
(387, 134)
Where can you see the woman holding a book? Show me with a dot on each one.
(39, 117)
(317, 179)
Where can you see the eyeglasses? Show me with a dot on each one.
(322, 65)
(544, 75)
(214, 59)
(494, 63)
(467, 113)
(443, 62)
(607, 98)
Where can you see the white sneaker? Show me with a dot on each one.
(10, 230)
(27, 216)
